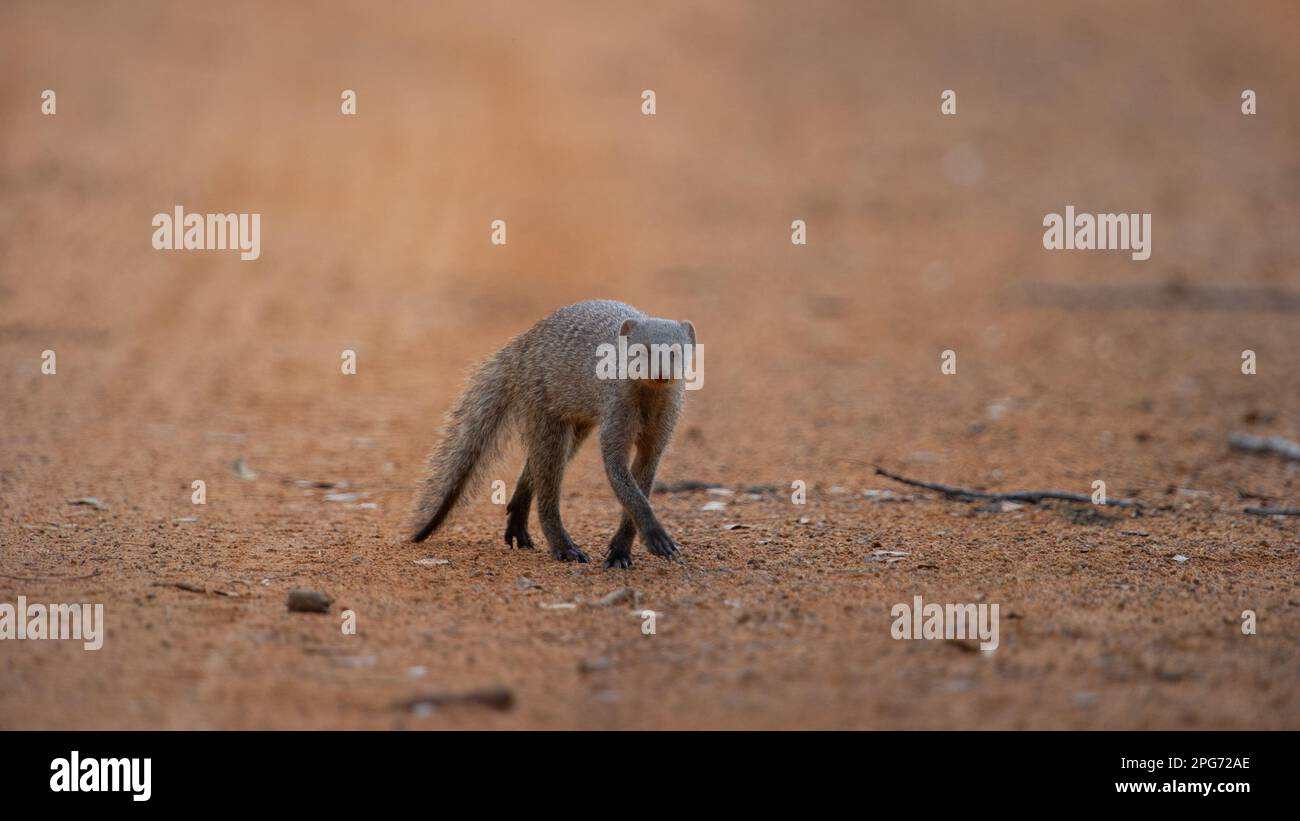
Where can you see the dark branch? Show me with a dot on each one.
(1029, 496)
(1274, 511)
(1265, 444)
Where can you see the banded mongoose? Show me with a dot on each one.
(545, 383)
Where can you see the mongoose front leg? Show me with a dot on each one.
(615, 440)
(550, 444)
(620, 547)
(517, 510)
(650, 446)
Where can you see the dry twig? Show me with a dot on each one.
(1265, 444)
(50, 578)
(1273, 511)
(1032, 497)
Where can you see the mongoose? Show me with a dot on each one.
(545, 382)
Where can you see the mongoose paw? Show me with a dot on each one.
(570, 553)
(618, 561)
(660, 543)
(517, 535)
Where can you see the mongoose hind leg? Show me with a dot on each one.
(517, 511)
(551, 443)
(522, 501)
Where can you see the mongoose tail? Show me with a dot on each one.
(469, 444)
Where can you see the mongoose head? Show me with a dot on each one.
(669, 342)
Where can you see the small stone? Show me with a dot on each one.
(496, 698)
(623, 594)
(877, 555)
(308, 601)
(595, 665)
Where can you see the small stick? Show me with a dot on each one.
(1265, 444)
(1274, 511)
(49, 578)
(1029, 496)
(194, 588)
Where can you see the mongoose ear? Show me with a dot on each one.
(628, 325)
(690, 330)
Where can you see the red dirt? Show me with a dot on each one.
(924, 235)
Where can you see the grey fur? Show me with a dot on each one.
(544, 383)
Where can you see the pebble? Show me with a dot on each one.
(308, 601)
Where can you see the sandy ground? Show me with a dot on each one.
(924, 236)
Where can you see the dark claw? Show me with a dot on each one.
(618, 561)
(517, 533)
(518, 538)
(660, 543)
(570, 553)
